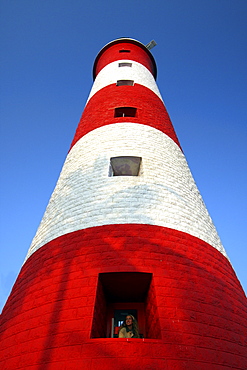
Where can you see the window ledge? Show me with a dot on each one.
(149, 340)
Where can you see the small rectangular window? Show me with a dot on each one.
(124, 51)
(125, 64)
(125, 112)
(125, 82)
(125, 166)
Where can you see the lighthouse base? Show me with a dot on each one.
(191, 308)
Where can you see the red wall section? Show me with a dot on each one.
(137, 53)
(201, 307)
(100, 110)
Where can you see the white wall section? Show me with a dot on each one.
(164, 193)
(111, 73)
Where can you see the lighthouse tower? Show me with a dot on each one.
(125, 232)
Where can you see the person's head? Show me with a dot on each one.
(129, 320)
(132, 324)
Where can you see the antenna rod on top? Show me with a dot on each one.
(151, 45)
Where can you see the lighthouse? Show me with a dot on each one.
(125, 232)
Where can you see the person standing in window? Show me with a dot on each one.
(129, 328)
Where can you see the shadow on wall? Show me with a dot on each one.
(50, 310)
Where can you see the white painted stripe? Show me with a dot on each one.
(164, 194)
(112, 72)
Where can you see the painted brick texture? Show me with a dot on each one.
(111, 73)
(163, 194)
(192, 313)
(99, 111)
(47, 320)
(137, 52)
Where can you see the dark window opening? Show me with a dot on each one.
(125, 82)
(122, 293)
(125, 64)
(120, 314)
(124, 51)
(125, 166)
(125, 112)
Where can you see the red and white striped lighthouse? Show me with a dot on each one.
(125, 232)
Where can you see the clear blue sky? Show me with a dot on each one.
(48, 48)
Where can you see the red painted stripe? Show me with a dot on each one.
(115, 51)
(201, 307)
(99, 111)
